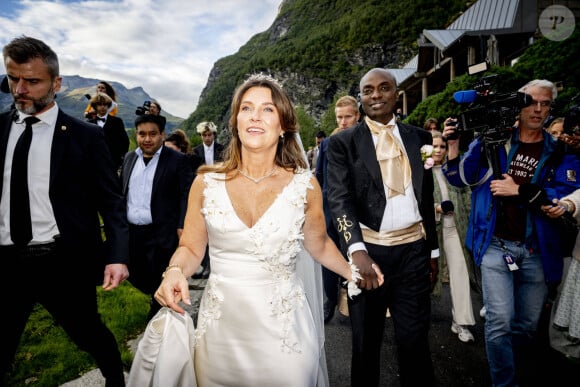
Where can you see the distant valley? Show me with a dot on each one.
(72, 100)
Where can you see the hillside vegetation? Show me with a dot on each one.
(545, 59)
(319, 50)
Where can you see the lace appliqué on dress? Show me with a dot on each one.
(211, 209)
(211, 311)
(280, 261)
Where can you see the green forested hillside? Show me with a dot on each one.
(319, 49)
(545, 59)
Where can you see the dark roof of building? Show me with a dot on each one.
(484, 17)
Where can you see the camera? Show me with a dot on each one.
(490, 115)
(143, 109)
(571, 124)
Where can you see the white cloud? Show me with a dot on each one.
(166, 46)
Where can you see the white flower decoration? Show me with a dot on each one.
(426, 152)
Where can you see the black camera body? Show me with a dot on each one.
(143, 109)
(571, 124)
(490, 115)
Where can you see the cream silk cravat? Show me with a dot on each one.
(395, 167)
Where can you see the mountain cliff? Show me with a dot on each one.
(320, 49)
(72, 100)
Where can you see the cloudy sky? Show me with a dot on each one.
(166, 46)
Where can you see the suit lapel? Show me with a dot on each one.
(5, 133)
(366, 149)
(412, 144)
(59, 142)
(128, 165)
(160, 170)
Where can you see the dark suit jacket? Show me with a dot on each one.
(83, 184)
(218, 150)
(355, 185)
(116, 138)
(171, 183)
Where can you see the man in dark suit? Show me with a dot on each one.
(52, 193)
(347, 115)
(381, 199)
(156, 181)
(210, 150)
(113, 128)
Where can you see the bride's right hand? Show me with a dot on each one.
(173, 289)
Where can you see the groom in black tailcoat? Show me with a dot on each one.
(381, 199)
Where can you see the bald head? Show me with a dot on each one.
(378, 91)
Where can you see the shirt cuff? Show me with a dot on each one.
(356, 247)
(435, 254)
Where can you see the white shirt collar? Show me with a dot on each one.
(48, 117)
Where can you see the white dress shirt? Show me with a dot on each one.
(401, 211)
(44, 227)
(140, 189)
(209, 153)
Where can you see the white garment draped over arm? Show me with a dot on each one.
(164, 355)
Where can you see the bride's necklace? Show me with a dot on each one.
(259, 179)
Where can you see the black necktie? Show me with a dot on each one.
(20, 224)
(101, 119)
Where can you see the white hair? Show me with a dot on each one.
(205, 126)
(543, 84)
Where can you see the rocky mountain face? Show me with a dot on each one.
(72, 99)
(319, 50)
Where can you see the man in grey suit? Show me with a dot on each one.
(156, 181)
(58, 177)
(381, 199)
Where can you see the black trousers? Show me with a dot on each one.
(56, 278)
(406, 292)
(148, 260)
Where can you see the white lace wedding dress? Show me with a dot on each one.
(256, 325)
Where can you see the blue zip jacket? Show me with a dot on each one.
(556, 173)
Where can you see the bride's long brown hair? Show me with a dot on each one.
(288, 153)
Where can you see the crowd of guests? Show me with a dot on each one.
(389, 210)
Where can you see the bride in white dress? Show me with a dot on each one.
(260, 211)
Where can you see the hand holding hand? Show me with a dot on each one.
(372, 277)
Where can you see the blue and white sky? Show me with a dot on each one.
(166, 46)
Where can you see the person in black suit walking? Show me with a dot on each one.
(52, 194)
(113, 128)
(347, 114)
(156, 181)
(381, 199)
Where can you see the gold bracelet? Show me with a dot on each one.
(170, 268)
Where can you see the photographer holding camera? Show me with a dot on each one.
(516, 245)
(153, 108)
